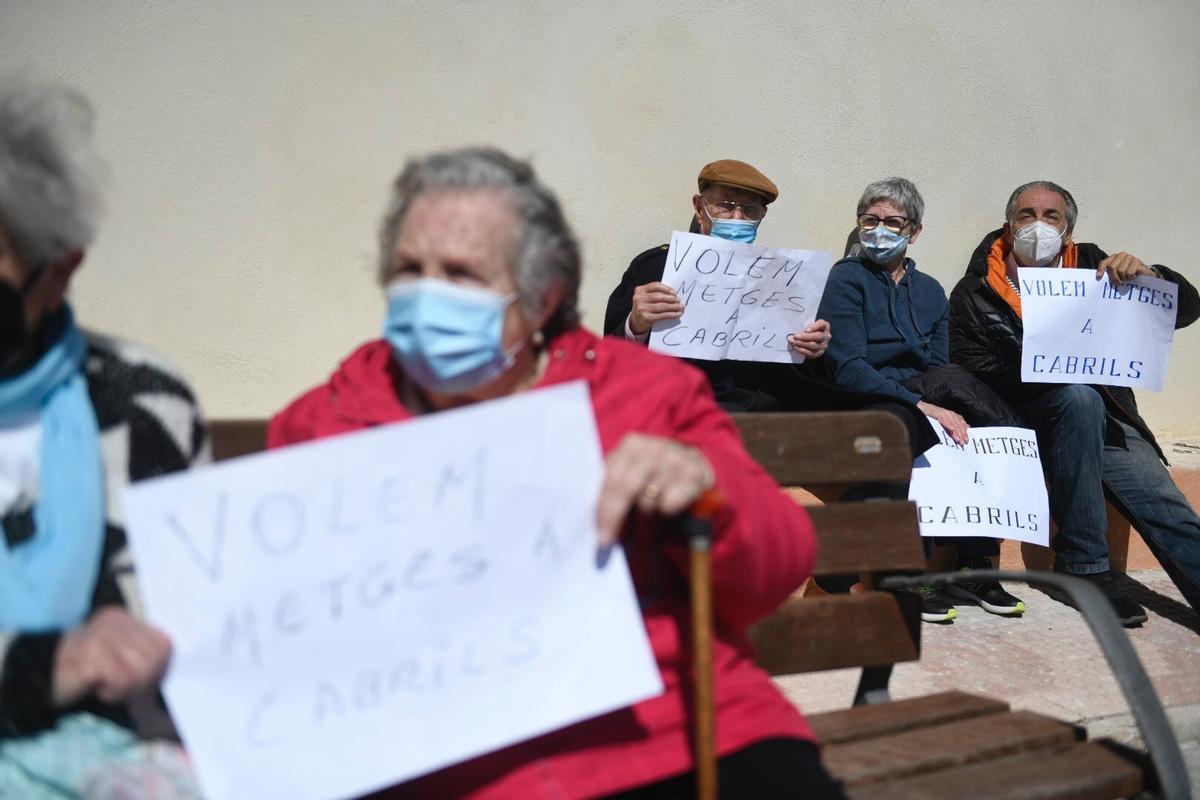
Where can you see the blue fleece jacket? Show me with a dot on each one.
(883, 332)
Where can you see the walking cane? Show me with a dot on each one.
(697, 524)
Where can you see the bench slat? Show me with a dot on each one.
(865, 537)
(807, 634)
(940, 747)
(862, 722)
(817, 448)
(1087, 771)
(826, 457)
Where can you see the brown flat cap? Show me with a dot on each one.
(739, 175)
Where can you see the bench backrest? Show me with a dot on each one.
(837, 456)
(236, 437)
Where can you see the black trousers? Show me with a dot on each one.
(772, 769)
(953, 387)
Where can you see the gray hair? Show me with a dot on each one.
(544, 252)
(900, 192)
(50, 177)
(1072, 209)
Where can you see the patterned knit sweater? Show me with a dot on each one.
(149, 425)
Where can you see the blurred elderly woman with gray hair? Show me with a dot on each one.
(81, 416)
(481, 275)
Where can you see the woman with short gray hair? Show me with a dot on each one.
(892, 341)
(481, 273)
(74, 653)
(544, 252)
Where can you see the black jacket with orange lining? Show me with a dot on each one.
(986, 329)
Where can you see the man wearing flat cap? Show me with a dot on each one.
(731, 202)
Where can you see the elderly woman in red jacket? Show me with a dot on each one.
(482, 274)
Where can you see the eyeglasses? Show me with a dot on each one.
(897, 224)
(726, 208)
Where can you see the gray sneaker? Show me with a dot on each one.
(1129, 612)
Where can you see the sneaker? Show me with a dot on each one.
(934, 605)
(988, 595)
(1129, 612)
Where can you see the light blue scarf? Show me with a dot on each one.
(47, 581)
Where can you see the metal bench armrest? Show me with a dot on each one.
(1131, 676)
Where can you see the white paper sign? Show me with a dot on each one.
(991, 486)
(353, 612)
(1082, 330)
(740, 301)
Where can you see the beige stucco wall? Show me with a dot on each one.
(252, 143)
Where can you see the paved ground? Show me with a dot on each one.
(1048, 662)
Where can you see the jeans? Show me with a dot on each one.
(1082, 467)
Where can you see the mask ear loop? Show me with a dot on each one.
(536, 339)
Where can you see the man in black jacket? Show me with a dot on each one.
(1093, 440)
(732, 200)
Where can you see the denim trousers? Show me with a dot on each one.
(1083, 465)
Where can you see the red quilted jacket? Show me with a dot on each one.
(763, 549)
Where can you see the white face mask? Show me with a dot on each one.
(1037, 244)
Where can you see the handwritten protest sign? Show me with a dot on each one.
(1082, 330)
(991, 486)
(740, 301)
(353, 612)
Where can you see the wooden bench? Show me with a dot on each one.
(858, 463)
(236, 437)
(947, 745)
(865, 454)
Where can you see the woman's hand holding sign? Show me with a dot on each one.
(112, 655)
(812, 341)
(1122, 267)
(954, 424)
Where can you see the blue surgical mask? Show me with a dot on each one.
(447, 338)
(735, 230)
(882, 245)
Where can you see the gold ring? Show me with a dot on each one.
(652, 491)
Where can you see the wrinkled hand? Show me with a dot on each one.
(652, 302)
(813, 340)
(658, 475)
(112, 655)
(1121, 267)
(953, 424)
